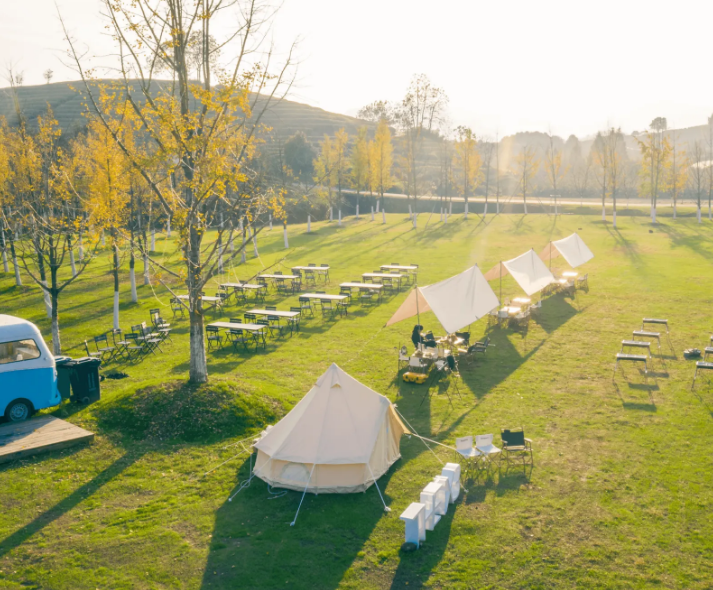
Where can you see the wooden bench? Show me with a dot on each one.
(636, 358)
(708, 350)
(638, 344)
(654, 321)
(701, 365)
(645, 334)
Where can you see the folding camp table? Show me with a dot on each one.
(320, 270)
(379, 289)
(246, 287)
(384, 275)
(257, 330)
(214, 302)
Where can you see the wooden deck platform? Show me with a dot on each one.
(39, 435)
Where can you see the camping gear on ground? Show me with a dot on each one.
(28, 378)
(692, 353)
(418, 378)
(83, 376)
(340, 438)
(457, 302)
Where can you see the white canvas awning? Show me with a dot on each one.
(574, 250)
(457, 302)
(529, 272)
(339, 438)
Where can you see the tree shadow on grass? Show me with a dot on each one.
(555, 312)
(253, 545)
(627, 246)
(415, 568)
(68, 503)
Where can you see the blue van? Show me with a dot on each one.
(28, 376)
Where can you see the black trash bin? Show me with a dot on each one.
(84, 377)
(63, 373)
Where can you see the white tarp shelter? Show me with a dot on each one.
(529, 272)
(457, 302)
(340, 438)
(572, 248)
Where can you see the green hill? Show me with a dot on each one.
(285, 117)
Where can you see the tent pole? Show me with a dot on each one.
(501, 282)
(386, 508)
(418, 313)
(303, 495)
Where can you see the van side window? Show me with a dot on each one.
(19, 350)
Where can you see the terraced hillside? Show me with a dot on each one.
(285, 117)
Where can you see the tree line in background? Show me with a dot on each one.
(410, 148)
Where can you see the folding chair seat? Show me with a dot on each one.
(135, 348)
(120, 343)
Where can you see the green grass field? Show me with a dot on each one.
(619, 496)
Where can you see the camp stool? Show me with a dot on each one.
(636, 358)
(644, 334)
(414, 518)
(703, 366)
(708, 350)
(654, 321)
(637, 344)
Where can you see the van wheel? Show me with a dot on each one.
(18, 411)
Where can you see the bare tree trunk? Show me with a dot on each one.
(132, 273)
(198, 368)
(340, 217)
(72, 264)
(18, 278)
(255, 244)
(284, 235)
(5, 265)
(309, 223)
(372, 212)
(153, 239)
(243, 229)
(56, 342)
(466, 207)
(115, 272)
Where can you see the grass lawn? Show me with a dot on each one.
(619, 496)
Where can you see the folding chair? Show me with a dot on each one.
(310, 278)
(306, 305)
(177, 307)
(516, 446)
(135, 348)
(326, 272)
(327, 308)
(214, 337)
(275, 325)
(238, 337)
(294, 322)
(484, 443)
(347, 292)
(120, 344)
(468, 456)
(94, 355)
(403, 358)
(102, 345)
(296, 285)
(366, 296)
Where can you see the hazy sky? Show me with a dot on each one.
(517, 65)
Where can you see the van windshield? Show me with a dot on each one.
(17, 351)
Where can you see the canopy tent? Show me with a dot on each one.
(529, 272)
(340, 438)
(572, 248)
(457, 302)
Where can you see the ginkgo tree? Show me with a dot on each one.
(467, 163)
(197, 139)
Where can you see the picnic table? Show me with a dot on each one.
(245, 287)
(320, 269)
(372, 286)
(275, 277)
(384, 275)
(325, 296)
(257, 330)
(521, 300)
(274, 312)
(512, 309)
(570, 274)
(408, 267)
(214, 302)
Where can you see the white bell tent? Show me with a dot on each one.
(457, 302)
(528, 271)
(572, 249)
(340, 438)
